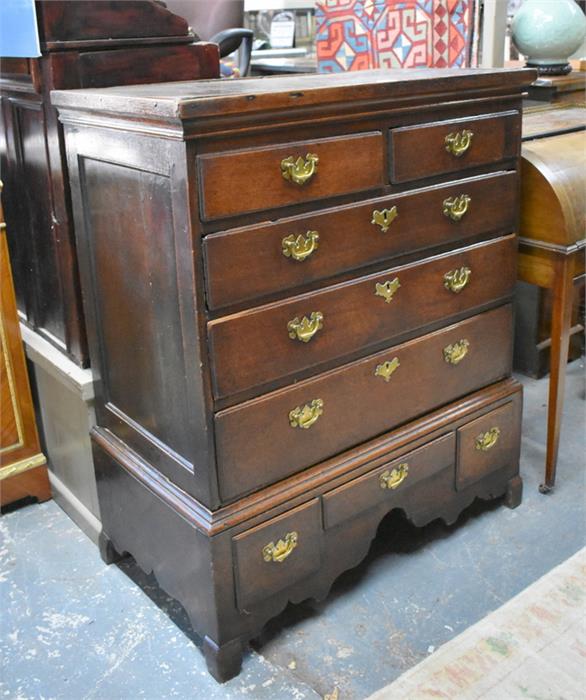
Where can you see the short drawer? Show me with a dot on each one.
(389, 481)
(254, 261)
(488, 444)
(248, 180)
(267, 439)
(254, 348)
(436, 148)
(277, 554)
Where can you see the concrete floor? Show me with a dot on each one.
(73, 628)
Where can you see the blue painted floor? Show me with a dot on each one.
(73, 628)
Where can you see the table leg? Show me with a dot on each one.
(560, 340)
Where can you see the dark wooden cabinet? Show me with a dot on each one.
(84, 44)
(298, 293)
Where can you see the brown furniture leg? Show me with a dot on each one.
(560, 339)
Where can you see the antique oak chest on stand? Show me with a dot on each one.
(298, 294)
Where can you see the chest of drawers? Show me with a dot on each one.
(298, 293)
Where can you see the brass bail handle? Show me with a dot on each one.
(393, 478)
(486, 441)
(455, 207)
(299, 170)
(458, 142)
(305, 416)
(300, 247)
(280, 551)
(305, 328)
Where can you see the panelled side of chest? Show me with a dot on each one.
(142, 282)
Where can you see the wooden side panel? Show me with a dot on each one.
(136, 296)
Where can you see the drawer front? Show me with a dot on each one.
(259, 260)
(488, 444)
(385, 483)
(256, 347)
(244, 181)
(277, 554)
(426, 150)
(267, 439)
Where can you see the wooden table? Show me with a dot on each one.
(552, 238)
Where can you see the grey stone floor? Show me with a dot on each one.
(73, 628)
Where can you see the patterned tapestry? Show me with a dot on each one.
(360, 34)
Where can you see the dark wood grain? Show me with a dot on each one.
(83, 46)
(354, 317)
(199, 463)
(245, 263)
(356, 496)
(420, 151)
(357, 404)
(256, 578)
(474, 463)
(244, 181)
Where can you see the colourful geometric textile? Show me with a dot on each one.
(360, 34)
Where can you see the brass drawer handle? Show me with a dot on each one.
(456, 280)
(384, 218)
(280, 551)
(300, 247)
(455, 353)
(392, 479)
(386, 369)
(299, 170)
(305, 416)
(387, 289)
(306, 328)
(486, 441)
(455, 207)
(458, 142)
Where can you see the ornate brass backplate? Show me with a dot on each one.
(384, 218)
(300, 247)
(486, 441)
(299, 170)
(393, 478)
(387, 289)
(280, 551)
(386, 369)
(458, 142)
(304, 329)
(456, 280)
(455, 207)
(456, 352)
(305, 416)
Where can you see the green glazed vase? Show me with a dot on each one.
(548, 32)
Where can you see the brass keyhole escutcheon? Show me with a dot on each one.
(456, 352)
(384, 218)
(304, 329)
(305, 416)
(300, 170)
(280, 551)
(458, 142)
(455, 207)
(393, 478)
(387, 369)
(387, 289)
(456, 280)
(300, 247)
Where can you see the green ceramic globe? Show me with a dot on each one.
(547, 32)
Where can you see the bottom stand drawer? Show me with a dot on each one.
(488, 444)
(278, 553)
(387, 481)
